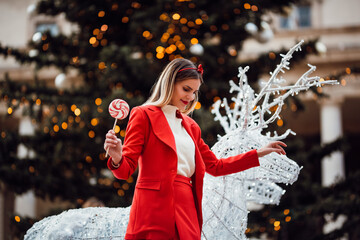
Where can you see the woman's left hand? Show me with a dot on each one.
(272, 147)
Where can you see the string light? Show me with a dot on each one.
(114, 66)
(272, 55)
(160, 55)
(31, 169)
(64, 125)
(183, 20)
(122, 133)
(77, 112)
(98, 101)
(94, 121)
(130, 179)
(88, 159)
(104, 28)
(194, 41)
(56, 128)
(117, 129)
(125, 186)
(146, 34)
(198, 105)
(116, 185)
(101, 14)
(176, 16)
(102, 65)
(121, 192)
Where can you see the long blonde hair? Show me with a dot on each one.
(163, 89)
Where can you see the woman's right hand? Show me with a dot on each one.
(114, 145)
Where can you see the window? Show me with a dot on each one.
(300, 17)
(51, 27)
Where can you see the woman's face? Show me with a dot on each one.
(184, 93)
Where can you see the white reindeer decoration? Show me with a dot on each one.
(224, 202)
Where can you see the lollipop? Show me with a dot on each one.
(118, 109)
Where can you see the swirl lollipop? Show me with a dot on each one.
(118, 109)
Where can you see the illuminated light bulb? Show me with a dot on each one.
(64, 125)
(146, 34)
(102, 65)
(33, 53)
(197, 49)
(176, 16)
(37, 37)
(198, 105)
(56, 128)
(77, 112)
(194, 41)
(320, 47)
(251, 28)
(160, 49)
(183, 21)
(91, 134)
(104, 27)
(98, 101)
(191, 24)
(101, 14)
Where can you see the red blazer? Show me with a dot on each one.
(150, 144)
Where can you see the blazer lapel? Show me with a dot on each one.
(160, 125)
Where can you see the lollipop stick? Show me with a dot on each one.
(107, 151)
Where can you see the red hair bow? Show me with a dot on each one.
(200, 69)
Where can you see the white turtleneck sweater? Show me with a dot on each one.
(185, 146)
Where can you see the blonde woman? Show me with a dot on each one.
(167, 147)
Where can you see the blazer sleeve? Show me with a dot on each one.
(224, 166)
(133, 145)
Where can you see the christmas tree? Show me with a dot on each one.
(117, 50)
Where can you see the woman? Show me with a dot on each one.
(172, 158)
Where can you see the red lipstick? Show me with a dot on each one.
(185, 102)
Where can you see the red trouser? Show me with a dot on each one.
(186, 219)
